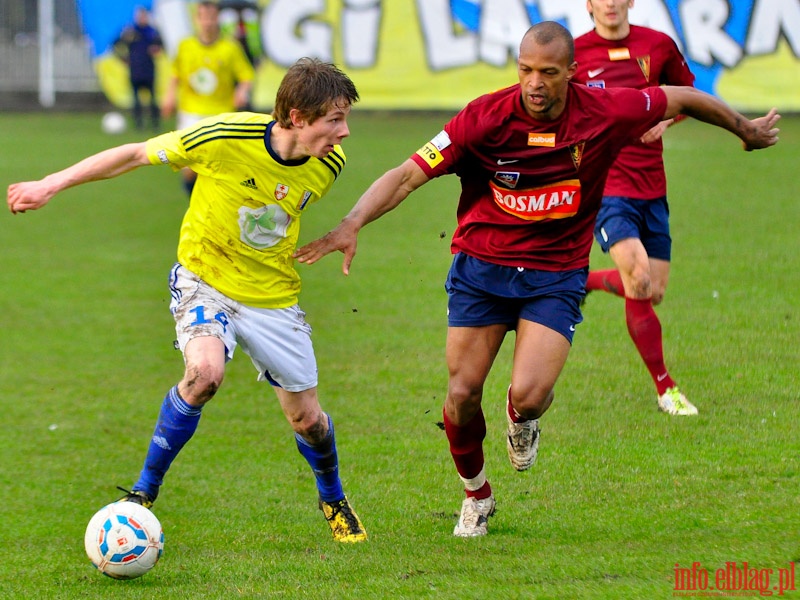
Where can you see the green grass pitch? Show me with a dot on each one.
(620, 494)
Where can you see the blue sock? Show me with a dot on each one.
(176, 424)
(325, 463)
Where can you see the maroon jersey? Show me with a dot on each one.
(530, 189)
(645, 58)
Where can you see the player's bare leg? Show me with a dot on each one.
(539, 356)
(470, 353)
(644, 281)
(180, 413)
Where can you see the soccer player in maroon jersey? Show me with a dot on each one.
(633, 223)
(533, 160)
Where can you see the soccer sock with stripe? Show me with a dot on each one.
(512, 412)
(466, 448)
(176, 424)
(324, 461)
(645, 330)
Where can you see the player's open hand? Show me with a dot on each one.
(27, 195)
(343, 238)
(764, 133)
(654, 134)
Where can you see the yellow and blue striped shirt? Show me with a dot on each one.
(243, 221)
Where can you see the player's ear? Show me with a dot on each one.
(297, 117)
(571, 70)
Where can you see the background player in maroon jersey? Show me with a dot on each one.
(633, 222)
(532, 159)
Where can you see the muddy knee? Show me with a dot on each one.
(200, 383)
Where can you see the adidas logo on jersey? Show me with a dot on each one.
(250, 183)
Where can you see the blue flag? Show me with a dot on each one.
(103, 21)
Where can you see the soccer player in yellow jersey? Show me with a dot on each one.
(210, 75)
(234, 282)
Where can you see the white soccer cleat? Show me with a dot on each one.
(474, 517)
(522, 443)
(673, 402)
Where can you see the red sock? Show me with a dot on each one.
(608, 281)
(512, 412)
(466, 444)
(484, 492)
(645, 330)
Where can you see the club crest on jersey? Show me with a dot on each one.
(281, 191)
(576, 151)
(559, 200)
(644, 65)
(507, 178)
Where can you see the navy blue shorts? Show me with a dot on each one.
(648, 220)
(481, 293)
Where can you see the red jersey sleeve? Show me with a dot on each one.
(473, 127)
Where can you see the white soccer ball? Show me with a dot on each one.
(124, 540)
(113, 123)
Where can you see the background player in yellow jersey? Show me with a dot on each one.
(210, 75)
(234, 282)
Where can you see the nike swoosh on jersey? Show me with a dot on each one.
(501, 162)
(595, 72)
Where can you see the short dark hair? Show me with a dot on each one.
(312, 87)
(547, 32)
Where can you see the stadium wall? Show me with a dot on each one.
(403, 54)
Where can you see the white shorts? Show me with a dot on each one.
(277, 340)
(185, 119)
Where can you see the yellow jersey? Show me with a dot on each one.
(208, 74)
(243, 220)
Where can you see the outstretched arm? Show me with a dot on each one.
(170, 100)
(241, 94)
(755, 134)
(386, 192)
(30, 195)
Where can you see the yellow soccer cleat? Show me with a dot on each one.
(345, 524)
(137, 497)
(673, 402)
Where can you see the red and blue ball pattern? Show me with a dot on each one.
(124, 540)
